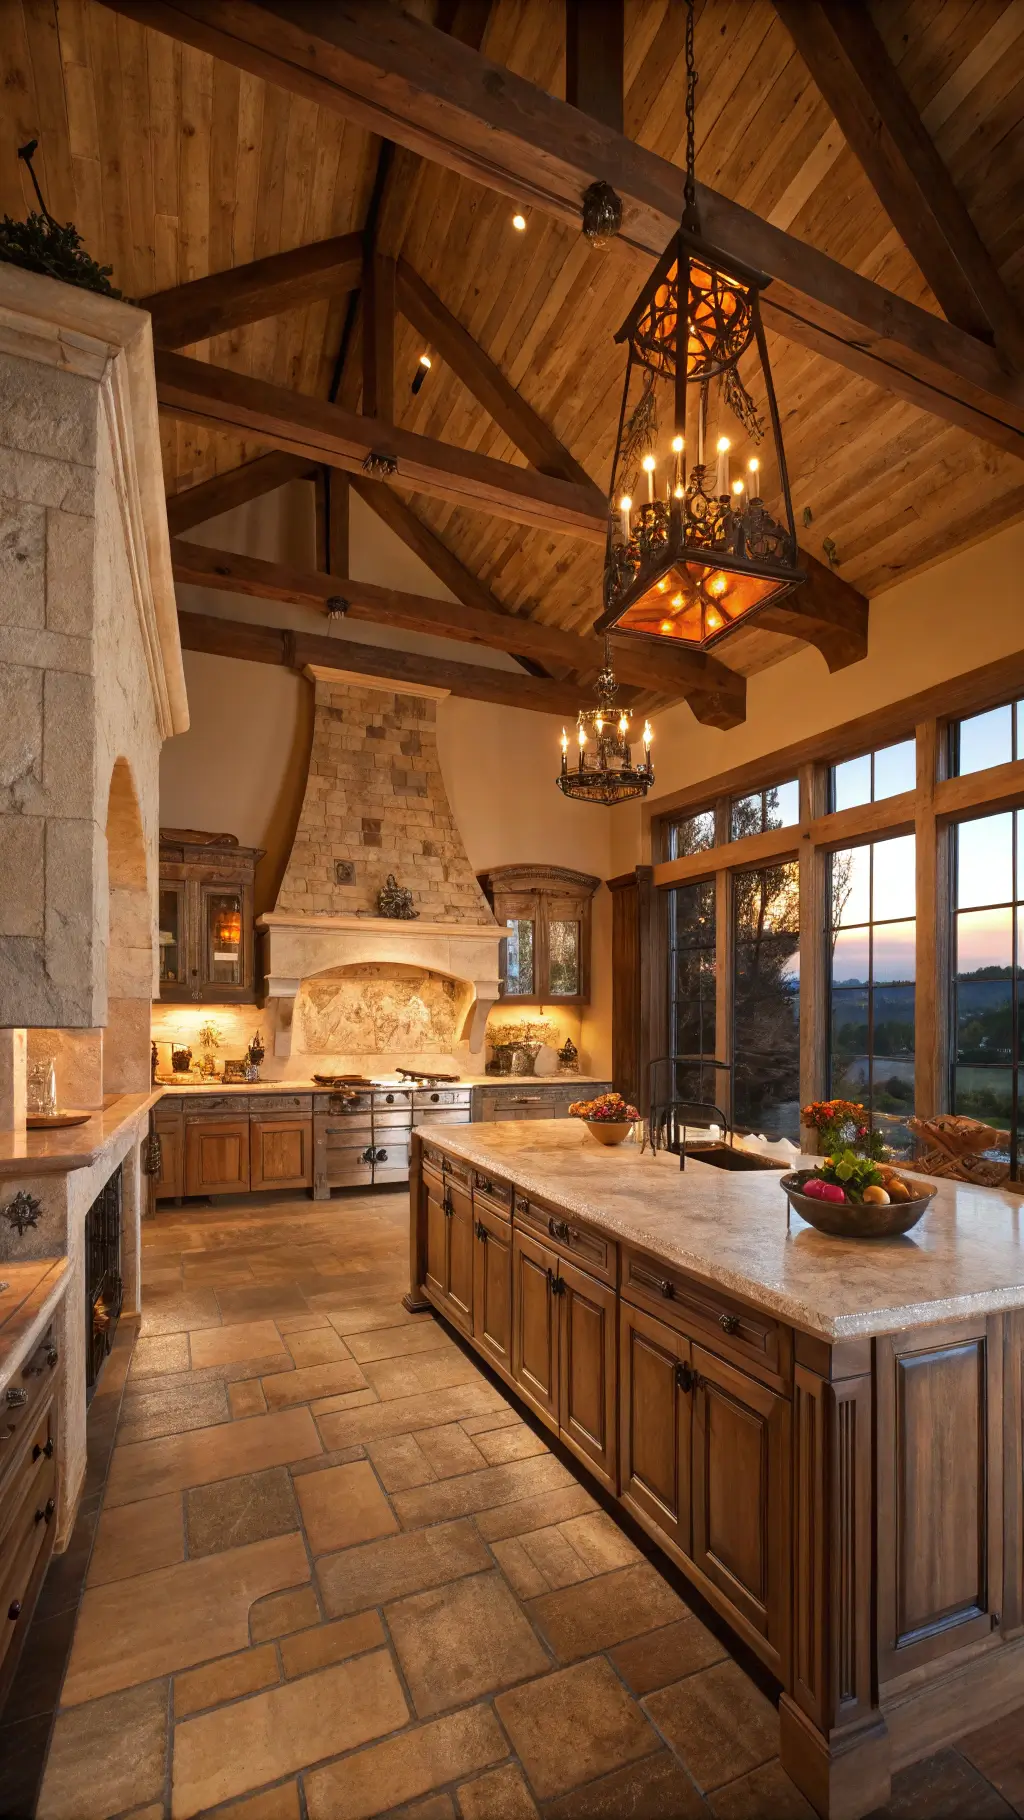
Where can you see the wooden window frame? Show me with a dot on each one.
(930, 811)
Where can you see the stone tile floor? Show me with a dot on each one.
(331, 1573)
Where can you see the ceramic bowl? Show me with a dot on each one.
(848, 1220)
(609, 1131)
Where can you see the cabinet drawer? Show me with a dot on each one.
(27, 1511)
(447, 1167)
(30, 1387)
(341, 1102)
(262, 1104)
(168, 1107)
(590, 1249)
(217, 1106)
(386, 1118)
(735, 1330)
(492, 1194)
(392, 1100)
(441, 1115)
(442, 1096)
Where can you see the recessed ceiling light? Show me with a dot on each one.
(519, 223)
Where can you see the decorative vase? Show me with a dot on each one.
(609, 1131)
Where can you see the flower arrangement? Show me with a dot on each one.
(843, 1125)
(608, 1108)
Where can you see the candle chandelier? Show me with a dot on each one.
(604, 771)
(692, 549)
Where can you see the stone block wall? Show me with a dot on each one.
(375, 803)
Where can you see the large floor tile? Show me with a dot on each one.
(480, 1490)
(577, 1620)
(150, 1468)
(524, 1514)
(655, 1788)
(425, 1757)
(767, 1790)
(503, 1444)
(381, 1571)
(943, 1787)
(309, 1381)
(232, 1512)
(406, 1415)
(179, 1311)
(658, 1657)
(718, 1722)
(332, 1642)
(107, 1756)
(226, 1679)
(344, 1506)
(460, 1641)
(316, 1346)
(175, 1617)
(400, 1462)
(437, 1370)
(232, 1345)
(273, 1734)
(500, 1794)
(160, 1353)
(137, 1538)
(398, 1342)
(450, 1450)
(997, 1750)
(574, 1726)
(171, 1405)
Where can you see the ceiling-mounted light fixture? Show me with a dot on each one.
(422, 369)
(604, 771)
(519, 223)
(692, 550)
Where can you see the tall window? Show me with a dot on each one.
(766, 1001)
(983, 740)
(692, 983)
(988, 934)
(873, 776)
(871, 926)
(778, 807)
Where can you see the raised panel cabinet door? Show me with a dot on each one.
(740, 1494)
(655, 1418)
(461, 1249)
(940, 1523)
(588, 1370)
(217, 1156)
(535, 1323)
(171, 1180)
(492, 1287)
(436, 1271)
(281, 1153)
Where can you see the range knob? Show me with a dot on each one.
(389, 1099)
(435, 1097)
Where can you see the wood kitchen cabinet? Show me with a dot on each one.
(216, 1155)
(280, 1152)
(170, 1129)
(450, 1247)
(206, 918)
(656, 1423)
(564, 1351)
(492, 1286)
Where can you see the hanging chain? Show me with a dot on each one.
(690, 186)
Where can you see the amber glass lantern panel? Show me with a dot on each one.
(224, 938)
(171, 932)
(697, 604)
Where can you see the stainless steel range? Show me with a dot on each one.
(361, 1135)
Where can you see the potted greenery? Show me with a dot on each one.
(41, 244)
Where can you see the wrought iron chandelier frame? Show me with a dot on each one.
(613, 777)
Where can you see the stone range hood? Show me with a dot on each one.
(344, 981)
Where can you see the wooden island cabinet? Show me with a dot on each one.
(824, 1436)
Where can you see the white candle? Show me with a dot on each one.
(754, 471)
(648, 736)
(722, 482)
(648, 467)
(677, 450)
(624, 507)
(738, 491)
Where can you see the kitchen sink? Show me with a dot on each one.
(723, 1156)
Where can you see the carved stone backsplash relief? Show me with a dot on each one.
(379, 1008)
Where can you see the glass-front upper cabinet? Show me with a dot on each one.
(545, 910)
(206, 918)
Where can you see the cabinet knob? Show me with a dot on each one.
(52, 1355)
(48, 1449)
(481, 1232)
(559, 1229)
(380, 1156)
(522, 1204)
(686, 1378)
(14, 1610)
(729, 1323)
(16, 1398)
(44, 1515)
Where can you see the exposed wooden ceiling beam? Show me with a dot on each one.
(379, 306)
(850, 66)
(826, 612)
(248, 293)
(484, 378)
(315, 431)
(222, 492)
(394, 75)
(716, 694)
(280, 645)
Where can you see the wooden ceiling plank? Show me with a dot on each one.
(272, 645)
(435, 322)
(850, 65)
(594, 58)
(391, 72)
(716, 694)
(316, 431)
(250, 293)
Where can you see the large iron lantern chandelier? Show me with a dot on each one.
(692, 548)
(604, 771)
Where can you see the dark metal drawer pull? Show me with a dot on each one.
(14, 1610)
(447, 1205)
(649, 1281)
(44, 1515)
(555, 1284)
(52, 1355)
(688, 1379)
(526, 1099)
(16, 1399)
(48, 1449)
(380, 1156)
(481, 1232)
(559, 1229)
(522, 1204)
(729, 1323)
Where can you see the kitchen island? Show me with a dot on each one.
(824, 1435)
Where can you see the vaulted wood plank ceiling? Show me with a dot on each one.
(174, 164)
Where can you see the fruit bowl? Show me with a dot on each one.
(851, 1219)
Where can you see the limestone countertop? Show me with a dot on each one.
(964, 1258)
(71, 1146)
(517, 1081)
(29, 1293)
